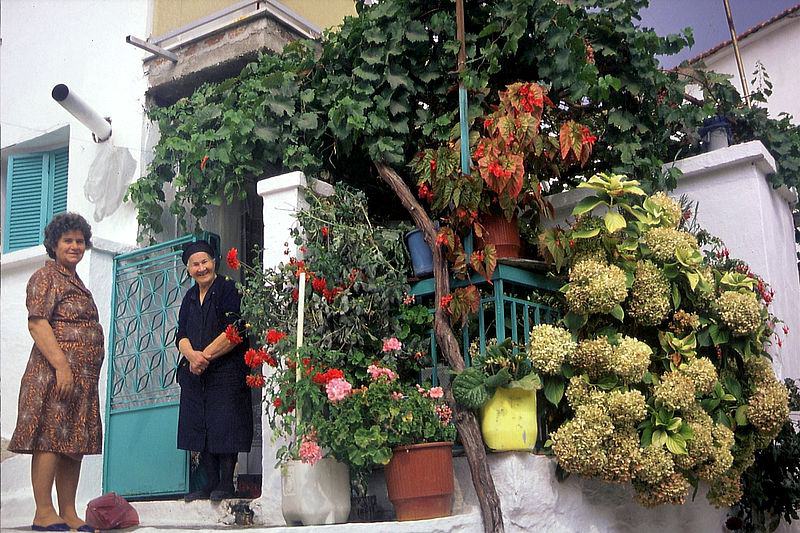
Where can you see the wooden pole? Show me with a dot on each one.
(465, 420)
(736, 54)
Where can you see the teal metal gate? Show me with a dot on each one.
(140, 458)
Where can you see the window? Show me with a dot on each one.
(36, 190)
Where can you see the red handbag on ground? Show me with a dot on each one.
(111, 511)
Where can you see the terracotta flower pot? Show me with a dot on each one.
(419, 479)
(504, 234)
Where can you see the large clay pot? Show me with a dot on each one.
(508, 420)
(315, 494)
(419, 479)
(504, 234)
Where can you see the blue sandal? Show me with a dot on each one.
(59, 526)
(86, 527)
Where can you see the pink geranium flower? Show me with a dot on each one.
(338, 389)
(375, 372)
(310, 451)
(445, 413)
(397, 395)
(391, 344)
(436, 392)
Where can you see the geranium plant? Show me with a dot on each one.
(366, 423)
(669, 381)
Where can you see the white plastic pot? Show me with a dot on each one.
(314, 495)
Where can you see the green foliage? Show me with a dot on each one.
(502, 365)
(356, 285)
(677, 370)
(362, 429)
(771, 487)
(380, 89)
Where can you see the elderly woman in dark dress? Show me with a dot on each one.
(58, 420)
(216, 416)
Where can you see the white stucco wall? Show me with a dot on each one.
(81, 44)
(776, 47)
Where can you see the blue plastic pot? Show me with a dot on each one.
(421, 254)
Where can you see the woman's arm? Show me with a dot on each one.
(197, 360)
(228, 309)
(218, 347)
(45, 340)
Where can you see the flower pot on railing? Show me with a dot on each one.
(420, 252)
(503, 234)
(419, 480)
(315, 494)
(508, 420)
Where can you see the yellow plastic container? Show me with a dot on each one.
(508, 420)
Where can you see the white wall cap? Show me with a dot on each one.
(280, 183)
(752, 152)
(113, 247)
(738, 154)
(24, 257)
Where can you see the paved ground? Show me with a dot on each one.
(4, 453)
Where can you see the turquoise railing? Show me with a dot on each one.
(508, 308)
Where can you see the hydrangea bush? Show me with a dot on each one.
(659, 372)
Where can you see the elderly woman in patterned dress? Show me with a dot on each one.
(58, 420)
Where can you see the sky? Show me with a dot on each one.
(707, 19)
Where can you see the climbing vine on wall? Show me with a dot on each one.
(383, 87)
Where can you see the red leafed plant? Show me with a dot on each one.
(520, 145)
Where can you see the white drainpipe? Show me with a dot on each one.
(101, 127)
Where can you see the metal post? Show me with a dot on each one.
(462, 92)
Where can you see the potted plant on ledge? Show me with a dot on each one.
(408, 429)
(501, 385)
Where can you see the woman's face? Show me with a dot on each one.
(70, 249)
(201, 268)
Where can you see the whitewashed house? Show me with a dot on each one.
(83, 45)
(774, 44)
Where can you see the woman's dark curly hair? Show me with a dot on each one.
(62, 223)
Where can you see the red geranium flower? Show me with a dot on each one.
(233, 259)
(325, 377)
(232, 334)
(254, 380)
(274, 336)
(253, 358)
(324, 231)
(444, 302)
(277, 402)
(269, 359)
(319, 284)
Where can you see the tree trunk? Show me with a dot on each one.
(465, 420)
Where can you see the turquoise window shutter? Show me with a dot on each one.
(59, 163)
(36, 190)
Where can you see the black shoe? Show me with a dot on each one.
(219, 495)
(197, 495)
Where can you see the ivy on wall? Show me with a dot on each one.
(384, 87)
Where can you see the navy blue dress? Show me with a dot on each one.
(216, 413)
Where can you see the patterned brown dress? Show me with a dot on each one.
(44, 423)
